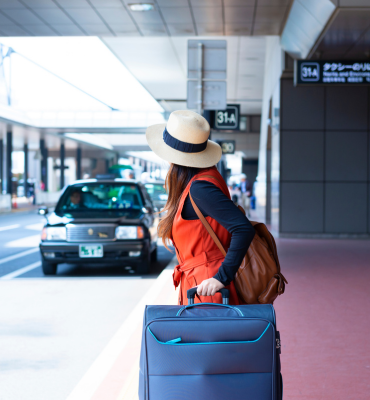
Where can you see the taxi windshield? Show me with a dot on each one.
(121, 199)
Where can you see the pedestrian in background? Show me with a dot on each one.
(192, 176)
(246, 193)
(235, 194)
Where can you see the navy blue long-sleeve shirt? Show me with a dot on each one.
(214, 203)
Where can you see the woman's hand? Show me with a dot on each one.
(209, 287)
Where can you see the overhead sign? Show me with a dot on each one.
(227, 146)
(321, 72)
(228, 118)
(214, 57)
(213, 96)
(207, 74)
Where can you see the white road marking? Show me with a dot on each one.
(35, 227)
(29, 241)
(18, 255)
(21, 271)
(90, 382)
(6, 228)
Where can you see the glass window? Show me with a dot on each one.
(116, 198)
(156, 191)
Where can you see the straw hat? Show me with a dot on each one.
(184, 140)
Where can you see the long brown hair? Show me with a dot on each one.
(177, 179)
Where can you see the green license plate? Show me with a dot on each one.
(91, 250)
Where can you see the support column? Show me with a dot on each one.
(9, 150)
(25, 175)
(78, 160)
(62, 167)
(44, 164)
(46, 155)
(1, 166)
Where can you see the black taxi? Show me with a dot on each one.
(101, 221)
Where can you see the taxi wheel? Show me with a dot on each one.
(154, 255)
(48, 268)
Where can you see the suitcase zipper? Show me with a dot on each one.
(177, 340)
(173, 340)
(146, 388)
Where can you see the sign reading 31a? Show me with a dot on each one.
(228, 118)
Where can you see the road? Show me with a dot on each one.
(53, 328)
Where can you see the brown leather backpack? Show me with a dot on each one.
(258, 279)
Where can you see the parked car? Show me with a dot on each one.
(101, 221)
(157, 192)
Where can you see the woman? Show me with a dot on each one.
(184, 143)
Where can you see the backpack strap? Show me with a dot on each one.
(205, 222)
(207, 226)
(266, 234)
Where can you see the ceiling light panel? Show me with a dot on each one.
(141, 6)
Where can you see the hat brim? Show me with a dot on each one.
(204, 159)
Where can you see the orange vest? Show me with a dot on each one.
(197, 253)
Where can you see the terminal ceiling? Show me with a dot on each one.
(348, 36)
(169, 18)
(153, 44)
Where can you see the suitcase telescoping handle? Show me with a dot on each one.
(193, 291)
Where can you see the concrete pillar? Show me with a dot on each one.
(44, 164)
(1, 165)
(25, 183)
(46, 155)
(78, 159)
(9, 150)
(62, 166)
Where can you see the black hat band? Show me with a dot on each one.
(183, 146)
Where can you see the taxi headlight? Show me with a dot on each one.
(129, 232)
(51, 233)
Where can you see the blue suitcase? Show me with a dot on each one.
(210, 351)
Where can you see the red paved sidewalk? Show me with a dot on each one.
(324, 319)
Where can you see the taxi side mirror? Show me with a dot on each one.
(43, 210)
(148, 209)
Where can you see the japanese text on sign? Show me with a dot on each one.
(338, 72)
(332, 72)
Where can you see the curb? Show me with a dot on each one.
(105, 380)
